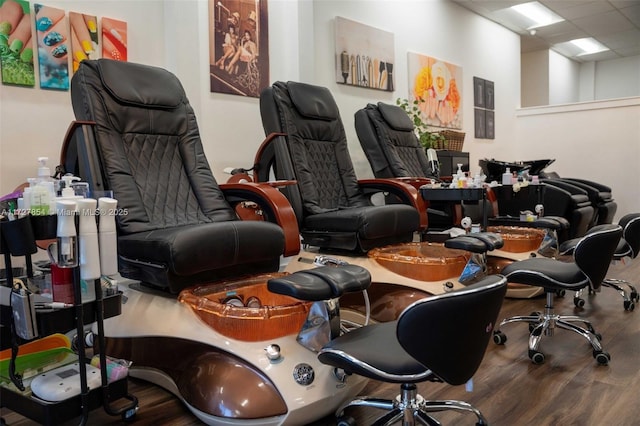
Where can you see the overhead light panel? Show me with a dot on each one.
(589, 45)
(537, 14)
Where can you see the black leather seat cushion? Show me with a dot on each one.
(548, 273)
(371, 222)
(364, 344)
(193, 249)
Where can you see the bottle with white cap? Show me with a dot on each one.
(107, 236)
(66, 237)
(89, 248)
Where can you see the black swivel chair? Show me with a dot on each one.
(628, 247)
(441, 338)
(334, 208)
(591, 258)
(139, 138)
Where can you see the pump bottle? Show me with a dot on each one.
(43, 193)
(107, 236)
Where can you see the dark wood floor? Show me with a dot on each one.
(570, 388)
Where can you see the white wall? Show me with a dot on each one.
(564, 79)
(594, 140)
(617, 78)
(174, 34)
(535, 78)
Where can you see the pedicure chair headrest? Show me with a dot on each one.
(313, 101)
(396, 117)
(141, 88)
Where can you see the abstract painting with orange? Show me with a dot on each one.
(114, 39)
(437, 86)
(84, 38)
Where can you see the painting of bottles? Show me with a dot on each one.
(364, 55)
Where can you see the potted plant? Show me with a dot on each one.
(428, 139)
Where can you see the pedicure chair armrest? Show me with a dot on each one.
(321, 283)
(405, 192)
(273, 205)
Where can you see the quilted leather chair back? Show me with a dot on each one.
(387, 137)
(317, 146)
(149, 145)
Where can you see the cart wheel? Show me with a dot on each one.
(536, 357)
(629, 305)
(346, 421)
(130, 414)
(602, 357)
(579, 302)
(499, 338)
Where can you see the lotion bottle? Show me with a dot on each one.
(89, 248)
(506, 177)
(107, 236)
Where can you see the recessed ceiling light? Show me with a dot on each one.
(589, 45)
(537, 14)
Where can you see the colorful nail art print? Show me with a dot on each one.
(114, 39)
(16, 45)
(53, 47)
(84, 38)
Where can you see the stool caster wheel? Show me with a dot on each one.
(499, 338)
(579, 302)
(561, 293)
(536, 357)
(634, 296)
(602, 357)
(629, 305)
(345, 421)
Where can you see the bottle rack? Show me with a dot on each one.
(63, 320)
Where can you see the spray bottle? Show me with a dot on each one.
(66, 234)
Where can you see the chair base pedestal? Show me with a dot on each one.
(544, 324)
(410, 408)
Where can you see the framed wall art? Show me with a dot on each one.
(488, 95)
(478, 92)
(484, 103)
(437, 86)
(364, 55)
(16, 58)
(52, 37)
(114, 39)
(480, 118)
(84, 38)
(238, 47)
